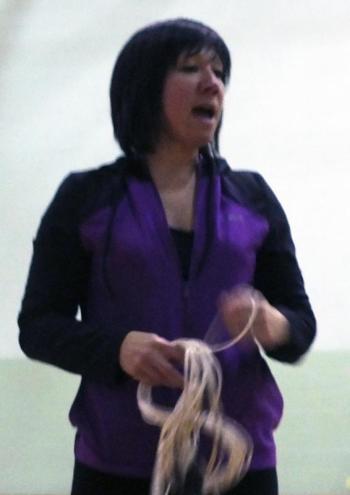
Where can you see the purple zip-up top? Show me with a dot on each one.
(104, 245)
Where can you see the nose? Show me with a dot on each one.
(210, 82)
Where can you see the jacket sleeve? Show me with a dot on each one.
(56, 286)
(279, 278)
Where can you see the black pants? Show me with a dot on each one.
(87, 481)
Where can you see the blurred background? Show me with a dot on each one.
(286, 116)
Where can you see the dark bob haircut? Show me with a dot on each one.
(139, 74)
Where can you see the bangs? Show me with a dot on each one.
(184, 36)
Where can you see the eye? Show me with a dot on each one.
(189, 68)
(219, 74)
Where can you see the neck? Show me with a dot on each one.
(172, 166)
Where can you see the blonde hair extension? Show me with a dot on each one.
(198, 409)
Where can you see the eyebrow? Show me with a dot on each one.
(214, 57)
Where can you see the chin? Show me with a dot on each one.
(204, 142)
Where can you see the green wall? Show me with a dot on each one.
(36, 440)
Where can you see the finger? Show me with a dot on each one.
(174, 352)
(236, 300)
(156, 369)
(170, 376)
(236, 309)
(261, 318)
(164, 373)
(258, 296)
(149, 374)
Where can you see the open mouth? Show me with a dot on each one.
(204, 111)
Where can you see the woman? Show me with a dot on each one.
(146, 247)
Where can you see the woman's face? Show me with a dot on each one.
(193, 97)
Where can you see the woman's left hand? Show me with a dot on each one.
(270, 327)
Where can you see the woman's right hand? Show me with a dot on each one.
(150, 359)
